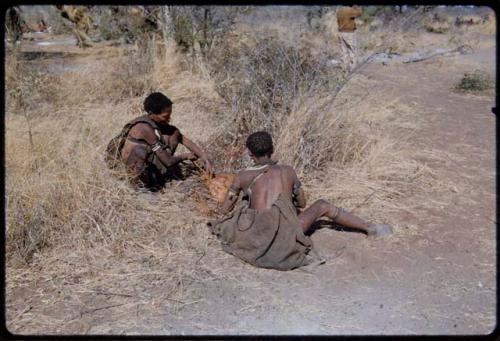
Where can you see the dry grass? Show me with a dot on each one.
(71, 226)
(369, 171)
(67, 217)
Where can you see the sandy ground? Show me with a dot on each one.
(435, 275)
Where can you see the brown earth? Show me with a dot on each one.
(435, 275)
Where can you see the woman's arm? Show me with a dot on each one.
(298, 195)
(300, 199)
(198, 152)
(145, 132)
(231, 196)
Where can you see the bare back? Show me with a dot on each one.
(267, 188)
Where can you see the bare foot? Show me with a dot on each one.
(378, 230)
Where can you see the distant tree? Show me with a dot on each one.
(129, 23)
(197, 28)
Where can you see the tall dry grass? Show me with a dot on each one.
(59, 192)
(58, 189)
(63, 203)
(265, 80)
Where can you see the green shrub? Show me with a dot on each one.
(475, 81)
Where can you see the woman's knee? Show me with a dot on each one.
(139, 152)
(137, 157)
(322, 205)
(327, 208)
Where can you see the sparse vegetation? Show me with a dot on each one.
(67, 217)
(200, 28)
(475, 81)
(438, 23)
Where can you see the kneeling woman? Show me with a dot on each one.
(148, 143)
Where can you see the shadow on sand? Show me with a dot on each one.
(320, 224)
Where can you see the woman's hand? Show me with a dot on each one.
(208, 166)
(197, 151)
(189, 156)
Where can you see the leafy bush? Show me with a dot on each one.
(475, 81)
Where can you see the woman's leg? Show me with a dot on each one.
(322, 208)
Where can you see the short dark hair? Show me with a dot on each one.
(156, 103)
(260, 143)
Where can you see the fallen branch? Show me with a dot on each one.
(437, 52)
(416, 57)
(413, 57)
